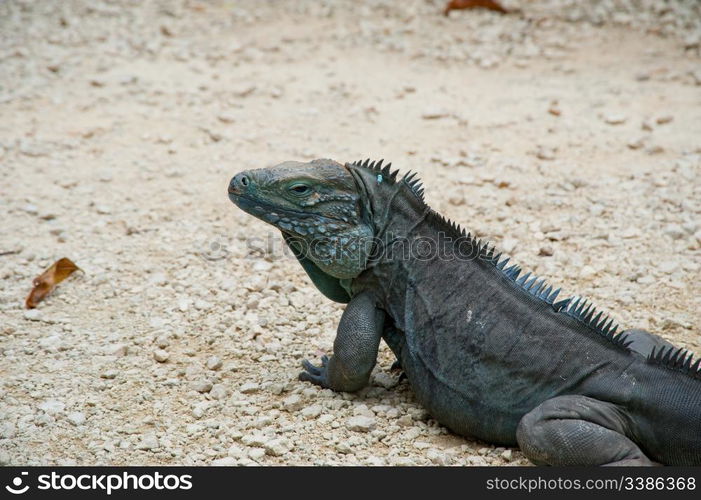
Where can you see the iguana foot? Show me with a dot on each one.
(578, 430)
(315, 374)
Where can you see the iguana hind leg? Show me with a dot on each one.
(577, 430)
(354, 350)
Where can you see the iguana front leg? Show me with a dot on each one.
(354, 350)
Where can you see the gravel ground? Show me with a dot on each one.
(568, 134)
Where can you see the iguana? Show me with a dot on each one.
(488, 351)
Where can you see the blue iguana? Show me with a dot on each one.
(490, 352)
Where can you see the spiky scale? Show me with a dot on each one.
(696, 366)
(523, 278)
(562, 305)
(554, 295)
(503, 263)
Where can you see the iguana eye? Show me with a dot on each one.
(300, 189)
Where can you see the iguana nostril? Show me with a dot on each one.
(238, 183)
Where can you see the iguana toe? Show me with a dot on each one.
(315, 374)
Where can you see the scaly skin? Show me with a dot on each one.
(489, 354)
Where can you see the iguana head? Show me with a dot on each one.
(318, 208)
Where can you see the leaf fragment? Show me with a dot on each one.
(47, 281)
(474, 4)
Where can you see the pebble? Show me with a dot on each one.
(361, 423)
(508, 245)
(277, 447)
(7, 430)
(214, 363)
(664, 119)
(615, 119)
(161, 355)
(76, 418)
(587, 272)
(5, 458)
(224, 462)
(219, 391)
(249, 387)
(202, 386)
(667, 266)
(32, 315)
(674, 231)
(148, 442)
(256, 453)
(52, 406)
(435, 114)
(293, 402)
(312, 411)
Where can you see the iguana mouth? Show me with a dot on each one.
(265, 210)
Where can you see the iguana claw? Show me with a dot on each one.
(315, 374)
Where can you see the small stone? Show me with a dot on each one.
(615, 119)
(361, 423)
(545, 153)
(148, 442)
(508, 245)
(52, 406)
(8, 430)
(243, 90)
(32, 315)
(667, 267)
(587, 272)
(277, 447)
(103, 209)
(119, 350)
(385, 380)
(202, 305)
(226, 118)
(76, 418)
(214, 363)
(202, 386)
(224, 462)
(218, 391)
(249, 387)
(646, 280)
(664, 119)
(4, 458)
(636, 142)
(674, 231)
(545, 252)
(161, 355)
(435, 113)
(312, 411)
(256, 453)
(437, 457)
(507, 455)
(405, 420)
(292, 402)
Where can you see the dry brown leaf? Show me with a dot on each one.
(47, 281)
(473, 4)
